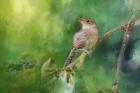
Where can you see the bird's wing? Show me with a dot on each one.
(79, 40)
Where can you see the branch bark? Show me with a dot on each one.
(128, 29)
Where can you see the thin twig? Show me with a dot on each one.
(108, 34)
(128, 29)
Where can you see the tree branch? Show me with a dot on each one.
(128, 29)
(108, 34)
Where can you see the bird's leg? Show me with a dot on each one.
(84, 50)
(80, 60)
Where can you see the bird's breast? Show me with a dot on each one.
(91, 33)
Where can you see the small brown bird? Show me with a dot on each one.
(84, 40)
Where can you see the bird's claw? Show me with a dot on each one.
(85, 51)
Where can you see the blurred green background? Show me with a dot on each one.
(34, 30)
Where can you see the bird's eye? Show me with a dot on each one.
(88, 21)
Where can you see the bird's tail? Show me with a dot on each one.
(70, 57)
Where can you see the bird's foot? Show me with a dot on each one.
(85, 51)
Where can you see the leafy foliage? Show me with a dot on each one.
(31, 31)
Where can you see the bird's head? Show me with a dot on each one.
(87, 23)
